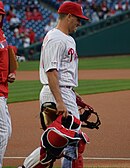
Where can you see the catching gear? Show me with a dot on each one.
(87, 113)
(47, 114)
(78, 163)
(53, 141)
(13, 64)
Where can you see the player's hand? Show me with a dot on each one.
(11, 77)
(61, 109)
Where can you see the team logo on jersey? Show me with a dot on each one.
(72, 54)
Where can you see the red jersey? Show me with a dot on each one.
(4, 65)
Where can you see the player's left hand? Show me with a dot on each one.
(11, 77)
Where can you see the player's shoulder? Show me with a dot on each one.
(55, 34)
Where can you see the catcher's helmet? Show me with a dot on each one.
(2, 11)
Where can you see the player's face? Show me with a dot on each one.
(75, 22)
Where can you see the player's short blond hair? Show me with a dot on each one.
(62, 16)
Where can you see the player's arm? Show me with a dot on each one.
(13, 64)
(53, 82)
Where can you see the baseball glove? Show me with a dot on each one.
(13, 64)
(87, 114)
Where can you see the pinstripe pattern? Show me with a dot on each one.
(61, 54)
(68, 97)
(5, 127)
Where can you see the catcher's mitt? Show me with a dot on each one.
(13, 64)
(87, 113)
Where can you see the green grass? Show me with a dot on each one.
(28, 66)
(115, 62)
(29, 90)
(102, 86)
(24, 91)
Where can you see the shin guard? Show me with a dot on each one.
(78, 163)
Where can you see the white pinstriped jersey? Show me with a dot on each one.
(59, 53)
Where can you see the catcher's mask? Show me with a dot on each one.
(87, 114)
(86, 118)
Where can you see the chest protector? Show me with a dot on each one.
(57, 136)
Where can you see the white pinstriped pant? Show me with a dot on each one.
(5, 127)
(68, 96)
(69, 99)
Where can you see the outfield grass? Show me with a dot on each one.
(102, 86)
(115, 62)
(28, 66)
(29, 90)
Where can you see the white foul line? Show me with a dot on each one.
(85, 158)
(14, 157)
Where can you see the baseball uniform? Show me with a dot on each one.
(60, 54)
(5, 120)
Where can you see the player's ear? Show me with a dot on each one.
(69, 16)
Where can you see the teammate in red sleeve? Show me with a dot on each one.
(5, 77)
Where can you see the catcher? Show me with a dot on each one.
(60, 132)
(59, 75)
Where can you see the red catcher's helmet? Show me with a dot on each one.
(2, 11)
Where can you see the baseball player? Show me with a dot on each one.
(59, 66)
(59, 76)
(5, 76)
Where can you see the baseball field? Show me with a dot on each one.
(104, 83)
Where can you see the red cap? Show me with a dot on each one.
(72, 8)
(2, 11)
